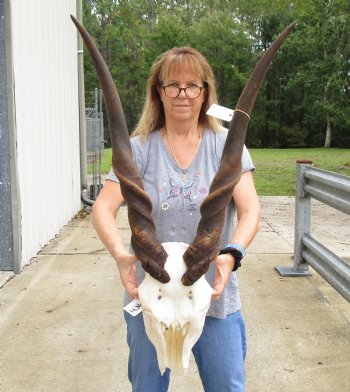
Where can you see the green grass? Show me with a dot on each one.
(275, 173)
(106, 162)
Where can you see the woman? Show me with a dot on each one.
(177, 149)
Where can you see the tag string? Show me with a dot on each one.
(239, 110)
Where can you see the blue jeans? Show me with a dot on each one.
(219, 354)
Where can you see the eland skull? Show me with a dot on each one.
(172, 317)
(174, 314)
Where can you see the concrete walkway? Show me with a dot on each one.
(62, 326)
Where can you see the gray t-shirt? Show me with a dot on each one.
(177, 194)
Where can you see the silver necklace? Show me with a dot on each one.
(173, 154)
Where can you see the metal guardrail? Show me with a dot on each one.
(334, 190)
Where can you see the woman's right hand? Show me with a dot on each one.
(127, 270)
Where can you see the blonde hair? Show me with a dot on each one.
(173, 60)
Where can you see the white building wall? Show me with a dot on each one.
(44, 47)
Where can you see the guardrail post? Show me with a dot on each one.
(302, 224)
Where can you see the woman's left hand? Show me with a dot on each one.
(223, 267)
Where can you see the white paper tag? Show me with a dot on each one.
(134, 307)
(220, 112)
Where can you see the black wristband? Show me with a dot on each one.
(235, 252)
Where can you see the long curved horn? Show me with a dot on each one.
(205, 246)
(144, 242)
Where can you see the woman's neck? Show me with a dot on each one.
(183, 131)
(182, 144)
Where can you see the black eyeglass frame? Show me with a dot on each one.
(184, 89)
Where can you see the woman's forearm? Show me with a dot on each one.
(248, 211)
(105, 226)
(247, 227)
(104, 213)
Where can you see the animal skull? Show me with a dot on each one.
(174, 314)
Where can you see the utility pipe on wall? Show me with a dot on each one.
(81, 97)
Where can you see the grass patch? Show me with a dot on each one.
(106, 162)
(275, 173)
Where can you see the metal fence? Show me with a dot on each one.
(334, 190)
(95, 146)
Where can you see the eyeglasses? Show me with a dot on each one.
(192, 91)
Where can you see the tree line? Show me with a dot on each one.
(304, 101)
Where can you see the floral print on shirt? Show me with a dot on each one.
(183, 187)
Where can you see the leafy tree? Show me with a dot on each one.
(319, 83)
(305, 98)
(223, 41)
